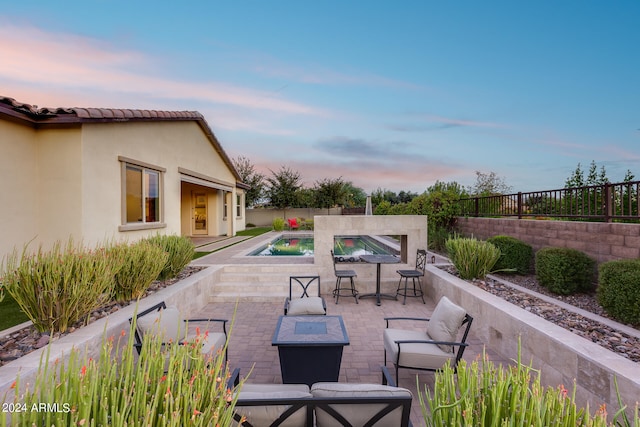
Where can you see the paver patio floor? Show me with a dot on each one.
(250, 346)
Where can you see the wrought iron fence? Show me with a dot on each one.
(608, 202)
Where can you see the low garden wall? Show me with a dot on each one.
(562, 357)
(602, 241)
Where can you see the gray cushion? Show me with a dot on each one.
(357, 414)
(166, 322)
(416, 355)
(445, 322)
(303, 306)
(265, 415)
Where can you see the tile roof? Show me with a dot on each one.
(58, 114)
(34, 116)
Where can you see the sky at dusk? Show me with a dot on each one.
(391, 95)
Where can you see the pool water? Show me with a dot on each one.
(346, 248)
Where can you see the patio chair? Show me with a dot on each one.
(431, 348)
(293, 223)
(304, 304)
(417, 273)
(343, 274)
(168, 322)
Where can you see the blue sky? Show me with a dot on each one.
(392, 95)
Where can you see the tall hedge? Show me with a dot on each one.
(619, 290)
(565, 271)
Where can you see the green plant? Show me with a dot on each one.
(473, 258)
(180, 250)
(142, 262)
(278, 224)
(515, 254)
(564, 270)
(10, 313)
(56, 288)
(481, 394)
(438, 237)
(619, 290)
(165, 386)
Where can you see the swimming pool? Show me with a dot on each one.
(346, 248)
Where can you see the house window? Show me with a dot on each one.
(239, 205)
(142, 195)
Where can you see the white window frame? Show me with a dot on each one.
(143, 167)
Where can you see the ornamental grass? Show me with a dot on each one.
(141, 264)
(57, 287)
(166, 385)
(473, 258)
(480, 394)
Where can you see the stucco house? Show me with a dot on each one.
(97, 174)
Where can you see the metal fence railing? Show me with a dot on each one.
(607, 202)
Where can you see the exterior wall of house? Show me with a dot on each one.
(169, 145)
(40, 186)
(19, 189)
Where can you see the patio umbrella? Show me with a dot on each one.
(367, 209)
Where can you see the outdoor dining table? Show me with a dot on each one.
(379, 259)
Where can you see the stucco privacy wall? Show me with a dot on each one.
(264, 217)
(413, 228)
(561, 355)
(601, 241)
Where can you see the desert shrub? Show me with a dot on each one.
(515, 254)
(278, 224)
(180, 250)
(438, 238)
(142, 262)
(473, 258)
(481, 394)
(619, 289)
(166, 386)
(564, 271)
(55, 288)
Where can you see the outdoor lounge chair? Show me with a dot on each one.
(417, 273)
(431, 348)
(343, 274)
(167, 321)
(305, 304)
(293, 223)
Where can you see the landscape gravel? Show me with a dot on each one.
(596, 331)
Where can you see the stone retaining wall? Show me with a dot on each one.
(601, 241)
(562, 357)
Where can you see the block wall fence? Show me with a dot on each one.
(601, 241)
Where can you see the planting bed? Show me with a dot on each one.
(28, 339)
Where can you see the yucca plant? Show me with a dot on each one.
(473, 258)
(142, 262)
(122, 389)
(481, 394)
(180, 250)
(55, 288)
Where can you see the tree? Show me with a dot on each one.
(489, 184)
(355, 196)
(329, 193)
(249, 176)
(282, 187)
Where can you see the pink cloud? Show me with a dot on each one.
(461, 122)
(63, 61)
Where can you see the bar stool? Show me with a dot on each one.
(343, 274)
